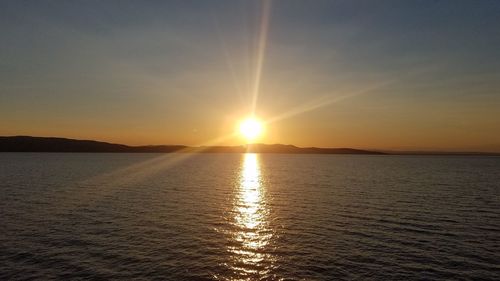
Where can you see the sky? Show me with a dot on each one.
(402, 75)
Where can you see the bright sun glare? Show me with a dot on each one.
(251, 128)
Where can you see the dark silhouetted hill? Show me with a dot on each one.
(43, 144)
(50, 144)
(281, 148)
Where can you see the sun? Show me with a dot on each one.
(251, 128)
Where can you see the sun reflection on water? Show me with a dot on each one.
(249, 248)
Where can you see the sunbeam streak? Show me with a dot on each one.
(329, 99)
(261, 49)
(111, 182)
(227, 56)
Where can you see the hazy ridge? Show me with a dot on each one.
(56, 144)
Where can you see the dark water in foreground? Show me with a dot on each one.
(248, 217)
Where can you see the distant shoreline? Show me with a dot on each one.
(55, 144)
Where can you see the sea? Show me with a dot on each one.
(183, 216)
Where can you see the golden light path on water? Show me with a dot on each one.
(250, 258)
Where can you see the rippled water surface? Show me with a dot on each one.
(248, 217)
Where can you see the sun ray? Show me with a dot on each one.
(261, 49)
(110, 182)
(325, 101)
(227, 56)
(328, 99)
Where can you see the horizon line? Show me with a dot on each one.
(372, 150)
